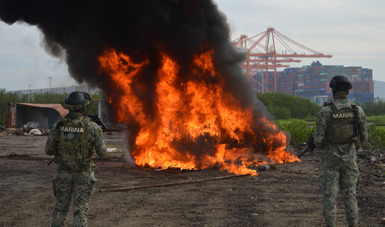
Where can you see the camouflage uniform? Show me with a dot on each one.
(338, 167)
(74, 140)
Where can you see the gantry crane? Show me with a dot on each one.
(262, 53)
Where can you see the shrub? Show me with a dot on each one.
(283, 106)
(377, 136)
(280, 112)
(299, 130)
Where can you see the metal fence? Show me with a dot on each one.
(58, 90)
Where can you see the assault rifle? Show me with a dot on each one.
(97, 120)
(49, 163)
(309, 146)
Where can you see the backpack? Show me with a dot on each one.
(342, 126)
(75, 145)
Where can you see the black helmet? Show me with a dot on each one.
(77, 100)
(341, 82)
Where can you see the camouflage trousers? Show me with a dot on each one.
(338, 174)
(76, 187)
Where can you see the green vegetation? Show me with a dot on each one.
(374, 108)
(48, 98)
(292, 114)
(378, 120)
(283, 106)
(300, 130)
(377, 136)
(375, 114)
(297, 116)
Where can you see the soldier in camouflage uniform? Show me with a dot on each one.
(341, 128)
(73, 141)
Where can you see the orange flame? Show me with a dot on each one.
(196, 124)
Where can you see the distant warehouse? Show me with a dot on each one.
(18, 114)
(312, 82)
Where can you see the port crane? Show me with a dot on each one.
(262, 54)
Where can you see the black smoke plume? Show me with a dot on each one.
(80, 31)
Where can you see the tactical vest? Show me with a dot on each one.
(75, 145)
(342, 127)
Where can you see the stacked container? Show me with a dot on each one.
(312, 81)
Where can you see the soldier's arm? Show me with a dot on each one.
(363, 129)
(320, 129)
(51, 144)
(100, 146)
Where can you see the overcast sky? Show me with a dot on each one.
(353, 31)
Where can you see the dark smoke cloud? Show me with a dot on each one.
(79, 32)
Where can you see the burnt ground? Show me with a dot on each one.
(285, 195)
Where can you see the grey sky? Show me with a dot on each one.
(351, 30)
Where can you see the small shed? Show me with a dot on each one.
(18, 114)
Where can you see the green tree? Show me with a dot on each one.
(374, 108)
(299, 130)
(48, 98)
(9, 97)
(377, 136)
(283, 106)
(279, 112)
(3, 106)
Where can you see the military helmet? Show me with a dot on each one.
(77, 100)
(341, 82)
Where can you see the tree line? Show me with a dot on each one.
(374, 108)
(280, 106)
(283, 106)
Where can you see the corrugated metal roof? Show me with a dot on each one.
(58, 107)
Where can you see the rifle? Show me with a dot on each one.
(49, 163)
(97, 120)
(310, 146)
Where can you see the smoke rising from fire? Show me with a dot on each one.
(79, 32)
(148, 30)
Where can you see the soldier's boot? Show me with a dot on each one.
(330, 219)
(58, 220)
(353, 223)
(330, 224)
(59, 216)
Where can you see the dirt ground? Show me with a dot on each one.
(286, 195)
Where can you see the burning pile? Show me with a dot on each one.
(169, 72)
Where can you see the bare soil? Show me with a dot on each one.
(285, 195)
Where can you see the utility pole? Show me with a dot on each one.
(50, 87)
(30, 92)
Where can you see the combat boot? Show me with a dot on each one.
(353, 224)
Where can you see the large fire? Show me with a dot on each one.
(196, 124)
